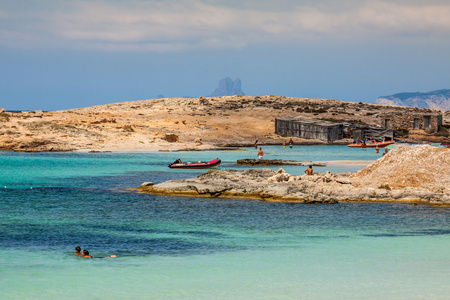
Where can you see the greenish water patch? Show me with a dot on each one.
(202, 248)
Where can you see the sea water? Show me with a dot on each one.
(204, 248)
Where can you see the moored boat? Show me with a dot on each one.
(178, 164)
(371, 145)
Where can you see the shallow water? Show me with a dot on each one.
(201, 248)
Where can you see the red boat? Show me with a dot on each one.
(195, 165)
(371, 145)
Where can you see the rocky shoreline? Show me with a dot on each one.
(269, 185)
(279, 186)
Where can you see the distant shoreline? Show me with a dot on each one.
(177, 124)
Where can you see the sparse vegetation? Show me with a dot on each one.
(4, 117)
(328, 119)
(128, 128)
(385, 187)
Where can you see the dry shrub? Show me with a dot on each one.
(171, 138)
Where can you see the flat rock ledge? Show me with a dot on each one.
(279, 186)
(276, 162)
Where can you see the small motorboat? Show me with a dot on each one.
(371, 145)
(178, 164)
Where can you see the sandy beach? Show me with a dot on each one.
(346, 162)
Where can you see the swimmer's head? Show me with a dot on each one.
(85, 252)
(77, 249)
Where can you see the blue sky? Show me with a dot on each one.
(76, 53)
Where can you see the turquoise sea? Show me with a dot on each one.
(202, 248)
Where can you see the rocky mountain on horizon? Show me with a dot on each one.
(439, 99)
(228, 87)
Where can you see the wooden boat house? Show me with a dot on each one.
(370, 132)
(309, 129)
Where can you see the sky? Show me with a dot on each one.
(58, 55)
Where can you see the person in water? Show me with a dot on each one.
(256, 144)
(85, 254)
(309, 171)
(291, 143)
(377, 149)
(77, 250)
(260, 154)
(284, 144)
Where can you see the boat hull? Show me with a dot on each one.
(197, 165)
(371, 145)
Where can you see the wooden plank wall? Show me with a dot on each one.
(308, 129)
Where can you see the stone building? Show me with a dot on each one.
(430, 122)
(309, 129)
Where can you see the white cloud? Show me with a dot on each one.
(195, 24)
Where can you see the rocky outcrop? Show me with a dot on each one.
(279, 186)
(378, 182)
(409, 167)
(439, 99)
(262, 184)
(228, 87)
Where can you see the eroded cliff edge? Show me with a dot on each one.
(416, 174)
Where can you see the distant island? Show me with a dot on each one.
(228, 87)
(439, 99)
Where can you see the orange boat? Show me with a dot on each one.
(371, 145)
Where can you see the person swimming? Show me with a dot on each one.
(86, 254)
(77, 250)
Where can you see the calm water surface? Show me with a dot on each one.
(199, 248)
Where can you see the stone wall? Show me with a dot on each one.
(428, 122)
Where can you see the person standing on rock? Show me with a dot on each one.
(260, 154)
